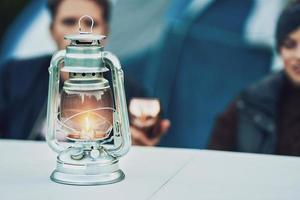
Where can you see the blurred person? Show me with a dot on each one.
(24, 83)
(8, 11)
(265, 117)
(204, 40)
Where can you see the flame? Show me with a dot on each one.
(87, 132)
(87, 124)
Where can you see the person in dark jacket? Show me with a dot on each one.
(265, 118)
(24, 83)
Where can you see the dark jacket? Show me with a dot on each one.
(257, 116)
(23, 96)
(249, 125)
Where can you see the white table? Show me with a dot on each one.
(154, 173)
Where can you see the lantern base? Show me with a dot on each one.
(77, 179)
(87, 171)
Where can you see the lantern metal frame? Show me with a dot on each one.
(88, 162)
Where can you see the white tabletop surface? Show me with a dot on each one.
(154, 173)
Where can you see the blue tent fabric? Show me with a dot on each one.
(200, 65)
(16, 30)
(200, 92)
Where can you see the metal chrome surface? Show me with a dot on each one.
(85, 36)
(87, 169)
(86, 84)
(81, 164)
(84, 59)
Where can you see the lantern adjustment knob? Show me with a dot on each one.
(77, 154)
(95, 153)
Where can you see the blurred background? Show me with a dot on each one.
(194, 55)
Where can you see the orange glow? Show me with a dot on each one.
(91, 127)
(87, 132)
(87, 124)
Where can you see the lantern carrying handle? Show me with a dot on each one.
(52, 106)
(122, 135)
(80, 27)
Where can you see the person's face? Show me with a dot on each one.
(290, 53)
(67, 16)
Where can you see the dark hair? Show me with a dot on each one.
(288, 22)
(104, 4)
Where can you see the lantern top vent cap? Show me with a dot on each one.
(85, 36)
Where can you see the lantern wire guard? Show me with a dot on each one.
(93, 122)
(106, 126)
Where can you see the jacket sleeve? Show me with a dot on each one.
(225, 130)
(4, 107)
(133, 89)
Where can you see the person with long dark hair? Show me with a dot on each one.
(265, 118)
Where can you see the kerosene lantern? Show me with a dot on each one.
(87, 122)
